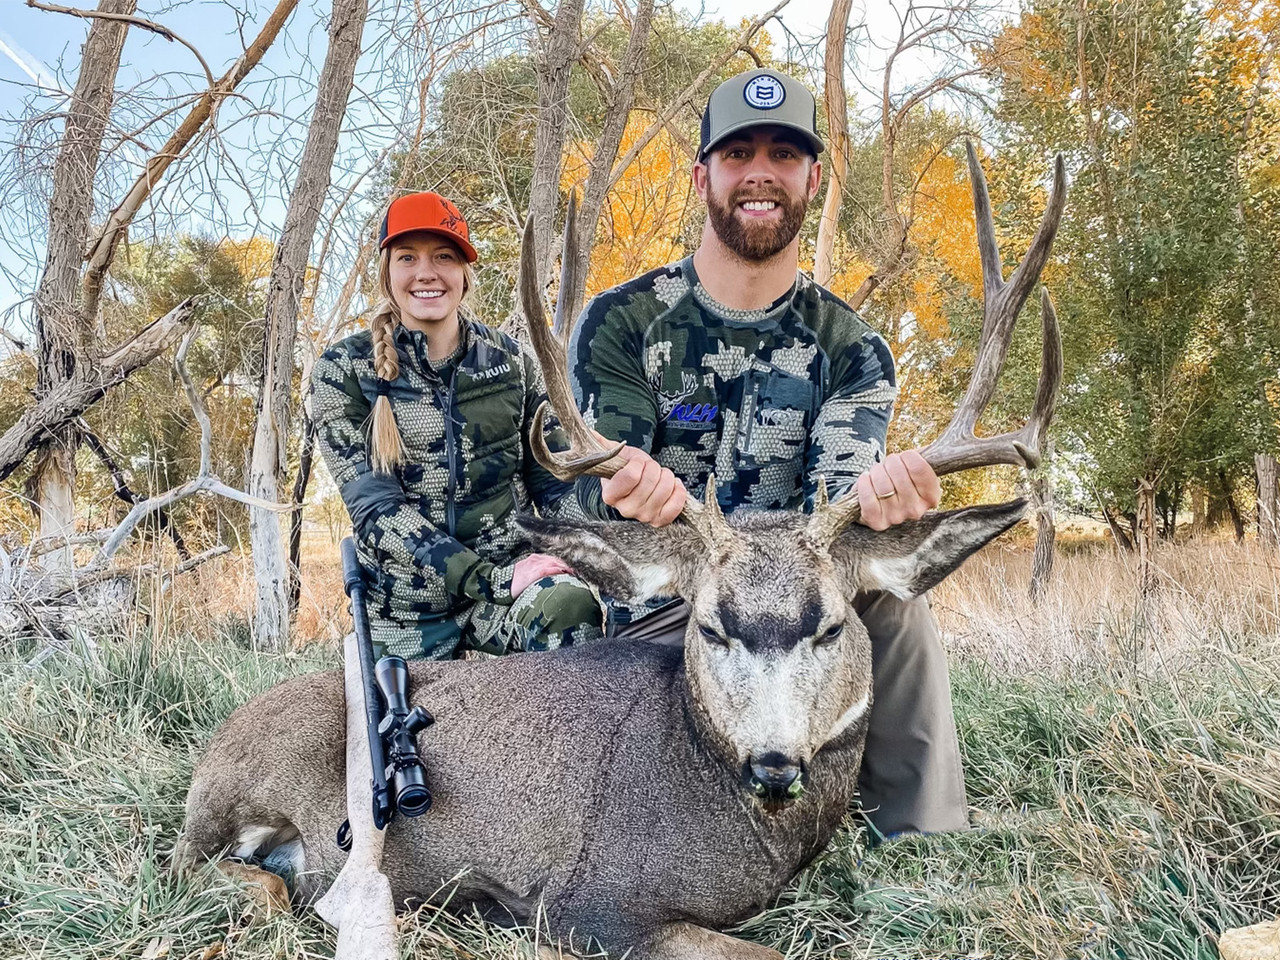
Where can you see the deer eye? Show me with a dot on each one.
(713, 637)
(829, 636)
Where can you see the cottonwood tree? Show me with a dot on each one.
(288, 275)
(1147, 114)
(479, 143)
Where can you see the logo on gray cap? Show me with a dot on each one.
(764, 92)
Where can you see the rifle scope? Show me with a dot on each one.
(398, 728)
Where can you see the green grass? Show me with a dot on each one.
(1121, 815)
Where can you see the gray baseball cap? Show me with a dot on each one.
(755, 99)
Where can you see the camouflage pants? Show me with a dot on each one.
(557, 611)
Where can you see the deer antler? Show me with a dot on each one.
(587, 455)
(959, 448)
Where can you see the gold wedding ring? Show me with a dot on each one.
(887, 496)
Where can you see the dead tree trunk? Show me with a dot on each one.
(838, 141)
(1146, 534)
(74, 370)
(63, 332)
(284, 297)
(558, 54)
(1264, 465)
(1228, 495)
(1042, 504)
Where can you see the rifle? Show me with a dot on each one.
(391, 725)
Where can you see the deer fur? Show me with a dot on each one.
(610, 787)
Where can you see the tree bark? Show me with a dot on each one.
(837, 142)
(559, 51)
(569, 302)
(63, 333)
(1264, 465)
(1237, 521)
(71, 398)
(1146, 530)
(1042, 556)
(284, 298)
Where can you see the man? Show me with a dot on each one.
(733, 362)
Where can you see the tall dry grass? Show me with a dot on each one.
(1122, 762)
(1214, 596)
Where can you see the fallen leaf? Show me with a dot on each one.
(157, 948)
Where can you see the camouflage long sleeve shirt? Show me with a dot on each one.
(439, 532)
(767, 399)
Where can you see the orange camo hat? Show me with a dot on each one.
(430, 212)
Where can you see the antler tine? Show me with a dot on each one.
(958, 448)
(586, 454)
(1047, 389)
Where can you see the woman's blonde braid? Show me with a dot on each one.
(386, 449)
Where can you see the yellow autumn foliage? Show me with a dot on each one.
(641, 222)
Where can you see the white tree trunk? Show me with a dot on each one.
(1268, 518)
(284, 296)
(838, 141)
(55, 493)
(63, 332)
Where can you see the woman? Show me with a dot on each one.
(421, 420)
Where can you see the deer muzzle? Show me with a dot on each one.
(775, 779)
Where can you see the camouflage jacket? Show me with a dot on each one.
(439, 532)
(766, 399)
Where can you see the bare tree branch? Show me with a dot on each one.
(686, 96)
(69, 399)
(606, 151)
(137, 21)
(102, 250)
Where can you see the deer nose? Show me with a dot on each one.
(775, 779)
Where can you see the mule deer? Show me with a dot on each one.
(644, 797)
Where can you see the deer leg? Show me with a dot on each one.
(267, 890)
(687, 941)
(359, 903)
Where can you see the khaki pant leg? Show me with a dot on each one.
(911, 777)
(665, 626)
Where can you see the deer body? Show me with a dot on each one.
(575, 781)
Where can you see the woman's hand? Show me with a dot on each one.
(533, 568)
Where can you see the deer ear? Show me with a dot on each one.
(913, 557)
(627, 560)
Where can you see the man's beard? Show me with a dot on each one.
(756, 241)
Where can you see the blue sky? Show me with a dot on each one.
(41, 50)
